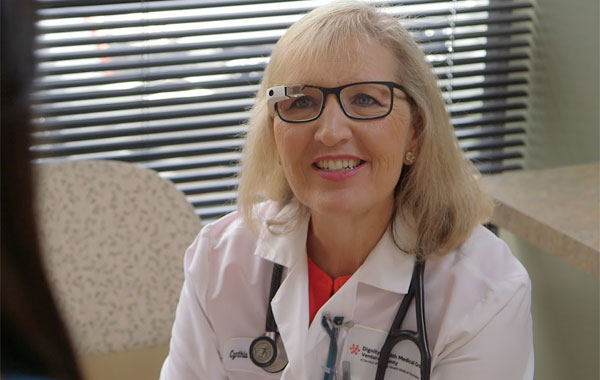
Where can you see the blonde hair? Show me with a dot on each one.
(439, 194)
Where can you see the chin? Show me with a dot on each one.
(337, 206)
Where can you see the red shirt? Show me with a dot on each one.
(320, 287)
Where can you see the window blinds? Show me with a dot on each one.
(168, 84)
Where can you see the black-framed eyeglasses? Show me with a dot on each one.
(361, 100)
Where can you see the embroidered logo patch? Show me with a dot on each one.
(362, 351)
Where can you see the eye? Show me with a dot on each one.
(302, 102)
(364, 100)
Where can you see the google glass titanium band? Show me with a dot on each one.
(279, 93)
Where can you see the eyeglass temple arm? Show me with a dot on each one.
(279, 93)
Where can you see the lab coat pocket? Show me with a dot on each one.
(361, 351)
(237, 363)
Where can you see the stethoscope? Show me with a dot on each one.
(267, 351)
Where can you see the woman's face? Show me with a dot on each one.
(316, 156)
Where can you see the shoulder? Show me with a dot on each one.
(223, 272)
(233, 227)
(226, 240)
(483, 263)
(488, 257)
(480, 293)
(476, 282)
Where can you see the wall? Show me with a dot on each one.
(564, 101)
(565, 315)
(563, 129)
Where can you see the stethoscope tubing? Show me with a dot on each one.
(270, 324)
(396, 334)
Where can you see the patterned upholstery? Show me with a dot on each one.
(114, 235)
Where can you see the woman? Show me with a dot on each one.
(351, 179)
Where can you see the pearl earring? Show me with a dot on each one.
(410, 157)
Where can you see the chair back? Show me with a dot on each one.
(114, 235)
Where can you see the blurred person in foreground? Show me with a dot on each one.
(352, 182)
(35, 342)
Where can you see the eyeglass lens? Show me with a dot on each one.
(361, 101)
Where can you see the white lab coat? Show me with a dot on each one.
(477, 307)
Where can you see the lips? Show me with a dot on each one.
(338, 168)
(334, 165)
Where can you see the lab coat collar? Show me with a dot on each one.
(387, 267)
(284, 243)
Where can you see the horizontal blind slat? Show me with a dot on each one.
(489, 144)
(241, 80)
(488, 108)
(488, 132)
(211, 110)
(148, 76)
(151, 153)
(195, 162)
(180, 126)
(486, 120)
(493, 156)
(229, 172)
(228, 55)
(81, 8)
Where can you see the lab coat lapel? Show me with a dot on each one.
(286, 245)
(290, 309)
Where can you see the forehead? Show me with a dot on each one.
(366, 61)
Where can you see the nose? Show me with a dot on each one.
(333, 125)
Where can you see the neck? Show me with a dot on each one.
(339, 245)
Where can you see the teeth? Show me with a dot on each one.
(337, 165)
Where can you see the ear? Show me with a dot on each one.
(414, 138)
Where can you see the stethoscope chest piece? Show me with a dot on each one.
(268, 353)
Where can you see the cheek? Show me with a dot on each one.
(280, 133)
(291, 151)
(287, 141)
(393, 137)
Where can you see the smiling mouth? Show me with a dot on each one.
(337, 165)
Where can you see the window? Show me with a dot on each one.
(167, 84)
